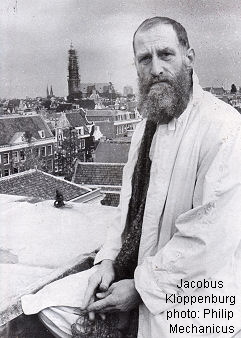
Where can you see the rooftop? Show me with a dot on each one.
(112, 152)
(38, 184)
(77, 119)
(10, 125)
(98, 174)
(101, 112)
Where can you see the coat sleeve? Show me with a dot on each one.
(208, 235)
(112, 244)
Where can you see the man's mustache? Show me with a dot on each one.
(155, 80)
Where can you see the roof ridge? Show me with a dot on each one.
(101, 163)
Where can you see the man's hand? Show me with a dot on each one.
(121, 296)
(101, 279)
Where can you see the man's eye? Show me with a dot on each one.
(166, 56)
(145, 60)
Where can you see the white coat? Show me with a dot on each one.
(192, 222)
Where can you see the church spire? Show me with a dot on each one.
(51, 91)
(73, 76)
(47, 91)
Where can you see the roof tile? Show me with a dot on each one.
(35, 183)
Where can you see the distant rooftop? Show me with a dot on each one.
(215, 90)
(112, 152)
(77, 119)
(38, 184)
(98, 174)
(10, 125)
(101, 112)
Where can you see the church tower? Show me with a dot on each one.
(73, 78)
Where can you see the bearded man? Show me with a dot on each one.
(174, 249)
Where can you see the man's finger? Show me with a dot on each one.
(108, 309)
(102, 316)
(93, 284)
(105, 283)
(91, 316)
(101, 304)
(102, 295)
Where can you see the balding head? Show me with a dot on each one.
(159, 20)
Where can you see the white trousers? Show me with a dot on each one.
(58, 320)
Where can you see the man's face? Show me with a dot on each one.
(164, 72)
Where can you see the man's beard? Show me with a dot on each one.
(163, 98)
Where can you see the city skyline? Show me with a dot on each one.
(36, 37)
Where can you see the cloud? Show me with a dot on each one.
(35, 37)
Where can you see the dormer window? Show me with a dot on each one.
(81, 131)
(42, 133)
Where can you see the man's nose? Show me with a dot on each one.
(157, 66)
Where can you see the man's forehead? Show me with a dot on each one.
(160, 34)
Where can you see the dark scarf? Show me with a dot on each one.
(127, 259)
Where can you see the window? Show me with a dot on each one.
(6, 158)
(81, 131)
(22, 155)
(50, 150)
(82, 143)
(15, 170)
(6, 172)
(43, 151)
(36, 150)
(42, 133)
(15, 156)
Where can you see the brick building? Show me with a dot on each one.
(25, 142)
(75, 139)
(114, 123)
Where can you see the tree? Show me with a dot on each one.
(67, 153)
(31, 158)
(233, 89)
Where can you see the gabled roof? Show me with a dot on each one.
(98, 174)
(36, 183)
(112, 152)
(77, 119)
(10, 125)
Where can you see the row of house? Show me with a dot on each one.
(30, 141)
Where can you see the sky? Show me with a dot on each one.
(35, 37)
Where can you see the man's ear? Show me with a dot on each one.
(136, 64)
(190, 57)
